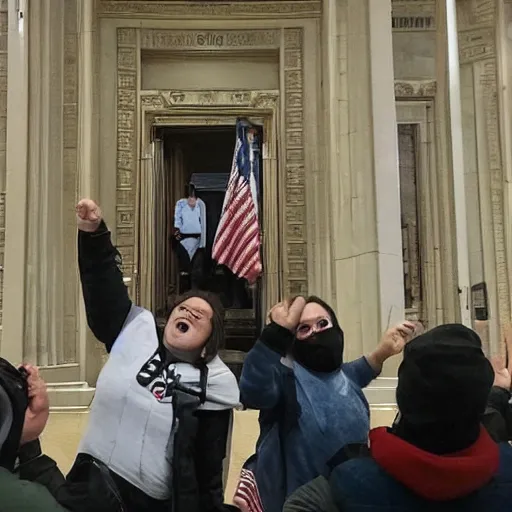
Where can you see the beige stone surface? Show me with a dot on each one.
(63, 432)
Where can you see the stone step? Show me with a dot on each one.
(382, 391)
(64, 395)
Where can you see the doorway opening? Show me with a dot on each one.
(201, 156)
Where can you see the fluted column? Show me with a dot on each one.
(11, 346)
(40, 317)
(363, 163)
(90, 350)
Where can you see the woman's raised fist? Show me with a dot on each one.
(88, 215)
(287, 313)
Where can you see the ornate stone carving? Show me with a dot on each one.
(415, 88)
(161, 102)
(294, 199)
(70, 177)
(473, 13)
(488, 80)
(477, 44)
(127, 56)
(252, 9)
(413, 15)
(156, 39)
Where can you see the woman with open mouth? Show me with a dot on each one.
(161, 414)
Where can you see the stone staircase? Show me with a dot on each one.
(65, 389)
(70, 396)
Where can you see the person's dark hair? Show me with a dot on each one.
(190, 190)
(317, 300)
(217, 337)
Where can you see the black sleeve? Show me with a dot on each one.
(210, 452)
(277, 338)
(107, 303)
(498, 415)
(36, 467)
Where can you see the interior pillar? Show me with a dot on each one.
(457, 158)
(363, 163)
(90, 351)
(11, 346)
(43, 340)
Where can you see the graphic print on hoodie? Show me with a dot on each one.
(125, 414)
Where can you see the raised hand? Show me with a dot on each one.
(88, 215)
(395, 339)
(38, 408)
(502, 376)
(287, 313)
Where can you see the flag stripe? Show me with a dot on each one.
(237, 241)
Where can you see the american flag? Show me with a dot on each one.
(237, 241)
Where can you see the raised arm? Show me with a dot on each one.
(264, 375)
(107, 303)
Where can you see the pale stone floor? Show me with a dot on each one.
(63, 432)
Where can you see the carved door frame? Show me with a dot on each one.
(289, 209)
(214, 108)
(415, 102)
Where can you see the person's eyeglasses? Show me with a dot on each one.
(306, 330)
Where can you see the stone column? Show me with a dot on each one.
(11, 346)
(40, 259)
(90, 350)
(482, 63)
(363, 163)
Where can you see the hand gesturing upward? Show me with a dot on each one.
(287, 313)
(88, 215)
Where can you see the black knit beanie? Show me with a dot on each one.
(443, 387)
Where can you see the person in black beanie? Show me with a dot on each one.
(437, 455)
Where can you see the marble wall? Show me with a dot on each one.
(479, 48)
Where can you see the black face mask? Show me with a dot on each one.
(322, 352)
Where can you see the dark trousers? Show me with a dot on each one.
(91, 487)
(194, 268)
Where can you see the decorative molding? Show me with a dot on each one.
(415, 89)
(127, 66)
(477, 44)
(489, 84)
(295, 194)
(164, 100)
(162, 10)
(476, 13)
(417, 15)
(157, 39)
(70, 182)
(293, 231)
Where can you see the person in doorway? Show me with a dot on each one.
(190, 236)
(311, 402)
(28, 479)
(161, 414)
(437, 455)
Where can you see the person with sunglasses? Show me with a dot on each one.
(28, 478)
(311, 402)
